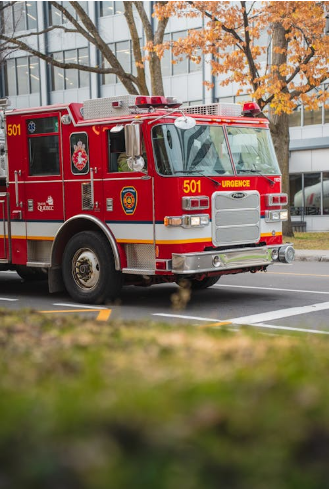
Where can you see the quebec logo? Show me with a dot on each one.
(128, 197)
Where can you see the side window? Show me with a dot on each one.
(43, 141)
(116, 150)
(117, 157)
(79, 153)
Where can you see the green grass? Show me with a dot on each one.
(85, 405)
(309, 241)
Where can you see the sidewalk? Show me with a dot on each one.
(312, 255)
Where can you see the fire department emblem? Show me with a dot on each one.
(128, 200)
(79, 156)
(31, 127)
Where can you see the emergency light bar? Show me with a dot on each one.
(251, 108)
(144, 102)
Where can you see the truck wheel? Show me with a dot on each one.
(32, 274)
(204, 283)
(88, 269)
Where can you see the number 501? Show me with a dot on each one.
(14, 129)
(191, 186)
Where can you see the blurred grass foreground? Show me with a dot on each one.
(146, 405)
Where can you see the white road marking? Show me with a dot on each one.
(178, 316)
(7, 299)
(256, 320)
(270, 288)
(282, 313)
(79, 306)
(287, 328)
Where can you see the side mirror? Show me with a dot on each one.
(133, 140)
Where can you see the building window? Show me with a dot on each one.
(295, 119)
(111, 8)
(22, 76)
(21, 16)
(309, 194)
(302, 117)
(174, 65)
(56, 17)
(65, 79)
(124, 53)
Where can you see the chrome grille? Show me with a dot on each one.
(235, 218)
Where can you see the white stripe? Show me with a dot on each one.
(79, 306)
(282, 313)
(186, 317)
(271, 288)
(270, 326)
(6, 299)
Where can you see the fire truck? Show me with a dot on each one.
(138, 191)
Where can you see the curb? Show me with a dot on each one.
(311, 257)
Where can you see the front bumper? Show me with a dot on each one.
(231, 259)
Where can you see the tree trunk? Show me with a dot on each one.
(280, 123)
(157, 87)
(279, 128)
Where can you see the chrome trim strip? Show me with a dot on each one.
(38, 264)
(138, 271)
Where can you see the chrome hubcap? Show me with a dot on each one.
(85, 268)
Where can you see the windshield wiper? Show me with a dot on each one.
(191, 172)
(258, 173)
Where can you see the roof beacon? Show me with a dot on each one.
(251, 108)
(156, 101)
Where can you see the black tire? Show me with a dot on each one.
(204, 283)
(31, 274)
(88, 269)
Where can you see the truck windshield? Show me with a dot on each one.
(252, 150)
(201, 150)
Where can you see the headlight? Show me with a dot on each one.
(187, 221)
(273, 216)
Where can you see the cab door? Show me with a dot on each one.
(129, 202)
(83, 174)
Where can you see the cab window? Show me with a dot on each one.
(117, 157)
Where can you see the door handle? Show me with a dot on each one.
(17, 173)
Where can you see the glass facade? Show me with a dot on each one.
(70, 78)
(172, 65)
(124, 53)
(57, 17)
(111, 8)
(18, 16)
(22, 76)
(309, 194)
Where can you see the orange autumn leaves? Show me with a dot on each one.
(276, 51)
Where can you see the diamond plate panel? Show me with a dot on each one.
(140, 256)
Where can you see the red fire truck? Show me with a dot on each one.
(135, 190)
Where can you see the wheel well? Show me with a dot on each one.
(76, 225)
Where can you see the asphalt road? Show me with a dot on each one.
(285, 298)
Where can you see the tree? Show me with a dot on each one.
(78, 22)
(280, 74)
